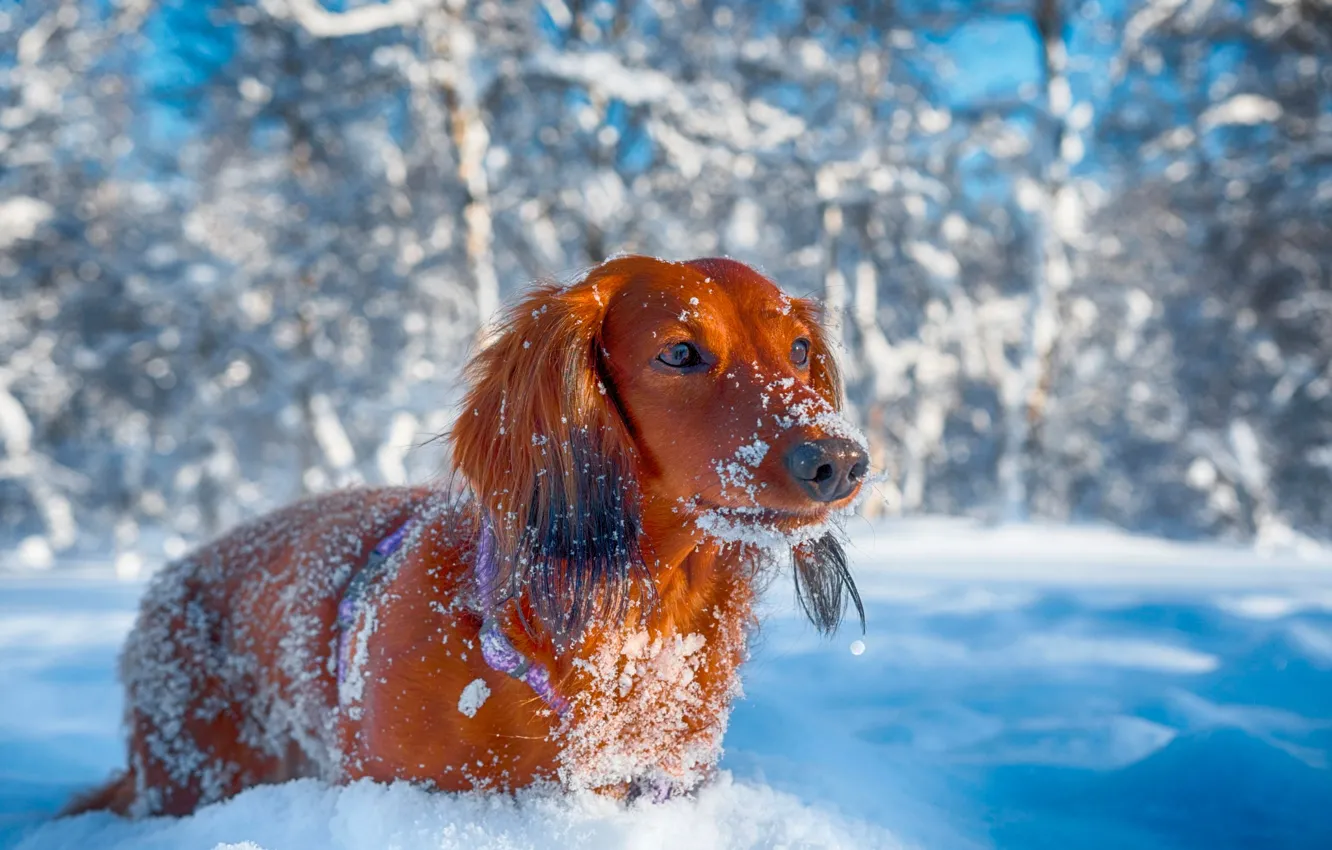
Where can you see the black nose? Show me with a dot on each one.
(828, 469)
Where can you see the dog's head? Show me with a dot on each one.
(696, 385)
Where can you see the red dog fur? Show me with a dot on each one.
(606, 459)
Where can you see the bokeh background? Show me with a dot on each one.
(1077, 253)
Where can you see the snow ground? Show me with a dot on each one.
(1021, 687)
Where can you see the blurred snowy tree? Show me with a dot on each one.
(1196, 392)
(86, 249)
(1077, 254)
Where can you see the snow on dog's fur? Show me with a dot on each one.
(636, 447)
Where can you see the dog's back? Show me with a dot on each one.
(229, 671)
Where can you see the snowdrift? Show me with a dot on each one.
(1023, 688)
(306, 815)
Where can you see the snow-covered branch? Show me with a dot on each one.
(1243, 109)
(319, 22)
(21, 218)
(608, 75)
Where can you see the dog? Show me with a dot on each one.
(635, 447)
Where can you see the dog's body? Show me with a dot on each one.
(589, 553)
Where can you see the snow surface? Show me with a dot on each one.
(1019, 687)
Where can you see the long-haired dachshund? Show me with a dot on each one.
(634, 446)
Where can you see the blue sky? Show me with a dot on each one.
(992, 56)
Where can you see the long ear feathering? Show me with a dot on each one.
(546, 454)
(820, 565)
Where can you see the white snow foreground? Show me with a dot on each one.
(308, 815)
(1021, 687)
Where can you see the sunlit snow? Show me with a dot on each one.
(1018, 687)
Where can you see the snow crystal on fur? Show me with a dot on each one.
(196, 651)
(644, 720)
(473, 697)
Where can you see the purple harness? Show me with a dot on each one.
(498, 652)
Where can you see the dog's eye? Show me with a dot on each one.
(800, 352)
(680, 355)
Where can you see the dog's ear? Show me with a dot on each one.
(821, 571)
(546, 453)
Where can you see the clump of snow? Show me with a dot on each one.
(753, 527)
(807, 409)
(753, 453)
(351, 687)
(473, 697)
(737, 472)
(817, 413)
(644, 716)
(736, 476)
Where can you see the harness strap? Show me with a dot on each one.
(496, 648)
(356, 591)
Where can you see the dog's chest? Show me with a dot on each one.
(651, 710)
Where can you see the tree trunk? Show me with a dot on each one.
(471, 138)
(1027, 397)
